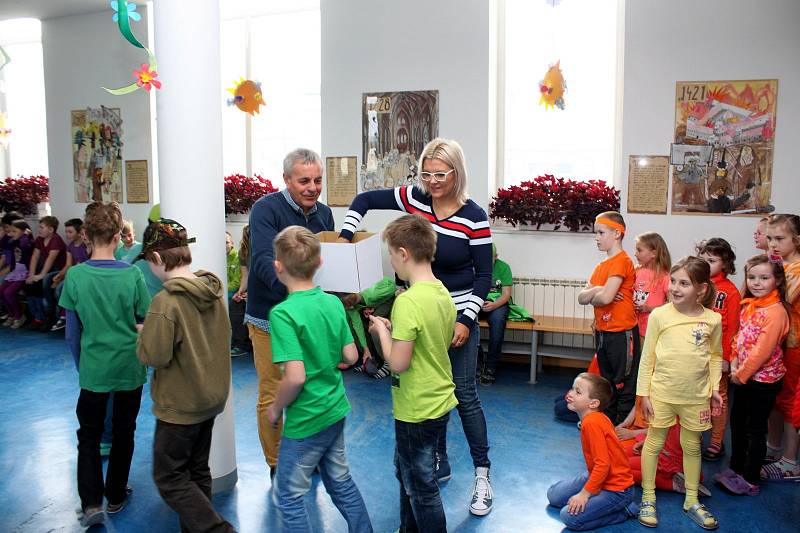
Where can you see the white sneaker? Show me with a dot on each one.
(481, 504)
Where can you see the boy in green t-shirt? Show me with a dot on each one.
(310, 336)
(495, 311)
(105, 299)
(415, 344)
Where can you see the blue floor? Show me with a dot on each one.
(39, 388)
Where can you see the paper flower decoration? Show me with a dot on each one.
(132, 14)
(552, 88)
(246, 95)
(146, 77)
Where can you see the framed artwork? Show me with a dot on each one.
(724, 147)
(97, 154)
(395, 128)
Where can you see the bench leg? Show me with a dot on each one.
(534, 356)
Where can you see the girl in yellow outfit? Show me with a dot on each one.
(679, 373)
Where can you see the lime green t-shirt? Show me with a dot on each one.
(234, 271)
(425, 314)
(501, 276)
(310, 326)
(107, 302)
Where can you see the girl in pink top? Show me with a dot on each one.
(652, 276)
(757, 370)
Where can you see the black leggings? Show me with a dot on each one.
(752, 403)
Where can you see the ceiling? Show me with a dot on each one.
(45, 9)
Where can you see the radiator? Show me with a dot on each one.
(551, 297)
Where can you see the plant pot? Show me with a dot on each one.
(238, 218)
(504, 227)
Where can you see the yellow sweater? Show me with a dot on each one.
(682, 356)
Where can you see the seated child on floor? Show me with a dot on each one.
(603, 495)
(561, 409)
(376, 300)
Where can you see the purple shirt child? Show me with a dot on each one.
(78, 252)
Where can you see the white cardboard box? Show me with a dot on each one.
(349, 267)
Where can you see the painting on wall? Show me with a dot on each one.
(395, 127)
(724, 147)
(97, 154)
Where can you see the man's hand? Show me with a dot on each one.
(577, 503)
(460, 335)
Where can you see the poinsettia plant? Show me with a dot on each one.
(23, 193)
(558, 201)
(241, 192)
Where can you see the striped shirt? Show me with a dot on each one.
(463, 260)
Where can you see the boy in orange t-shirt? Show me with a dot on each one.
(603, 495)
(610, 291)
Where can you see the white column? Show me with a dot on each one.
(189, 124)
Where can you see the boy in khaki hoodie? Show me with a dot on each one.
(185, 337)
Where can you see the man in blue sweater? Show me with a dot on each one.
(296, 205)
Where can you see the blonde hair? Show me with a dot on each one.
(299, 252)
(450, 153)
(655, 242)
(413, 233)
(792, 225)
(127, 226)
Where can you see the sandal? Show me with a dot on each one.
(647, 514)
(780, 471)
(737, 485)
(701, 516)
(714, 452)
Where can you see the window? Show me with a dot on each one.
(282, 51)
(577, 142)
(22, 99)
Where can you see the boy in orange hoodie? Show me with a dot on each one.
(603, 495)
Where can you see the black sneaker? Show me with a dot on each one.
(113, 508)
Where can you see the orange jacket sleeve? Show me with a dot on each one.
(598, 460)
(730, 323)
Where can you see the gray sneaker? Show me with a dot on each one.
(482, 496)
(92, 516)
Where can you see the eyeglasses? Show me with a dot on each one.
(438, 177)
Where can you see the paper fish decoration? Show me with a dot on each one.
(246, 95)
(552, 88)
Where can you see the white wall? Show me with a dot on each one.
(444, 45)
(81, 54)
(412, 45)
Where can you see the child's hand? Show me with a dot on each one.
(624, 433)
(139, 328)
(57, 279)
(488, 306)
(647, 408)
(577, 503)
(643, 308)
(716, 403)
(367, 354)
(273, 415)
(378, 324)
(726, 366)
(29, 279)
(618, 297)
(351, 300)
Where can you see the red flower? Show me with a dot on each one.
(22, 194)
(242, 192)
(550, 200)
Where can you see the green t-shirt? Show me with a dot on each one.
(425, 314)
(107, 301)
(501, 276)
(310, 326)
(152, 282)
(234, 273)
(129, 255)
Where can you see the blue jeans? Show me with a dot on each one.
(602, 509)
(296, 463)
(37, 308)
(48, 290)
(464, 360)
(421, 506)
(497, 328)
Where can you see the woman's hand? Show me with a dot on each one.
(647, 408)
(342, 240)
(460, 335)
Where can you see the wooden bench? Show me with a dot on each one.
(547, 324)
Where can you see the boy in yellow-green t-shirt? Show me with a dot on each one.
(415, 344)
(310, 337)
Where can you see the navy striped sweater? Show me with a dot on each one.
(463, 260)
